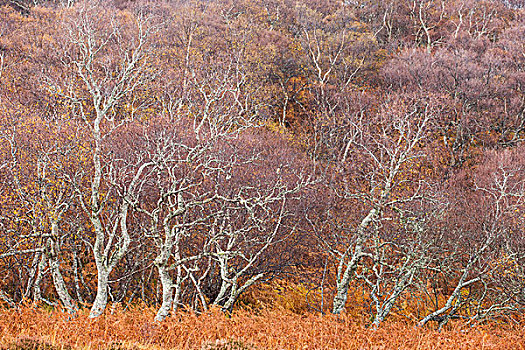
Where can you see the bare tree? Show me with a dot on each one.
(105, 66)
(399, 259)
(257, 218)
(36, 173)
(374, 155)
(484, 254)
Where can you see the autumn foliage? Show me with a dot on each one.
(329, 174)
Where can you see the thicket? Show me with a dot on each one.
(358, 157)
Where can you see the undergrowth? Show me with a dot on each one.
(35, 328)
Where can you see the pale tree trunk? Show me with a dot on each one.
(105, 261)
(60, 287)
(37, 292)
(225, 285)
(32, 275)
(171, 239)
(380, 316)
(453, 300)
(105, 258)
(383, 309)
(178, 287)
(223, 258)
(101, 300)
(54, 265)
(344, 277)
(230, 288)
(198, 289)
(387, 281)
(236, 291)
(341, 295)
(76, 275)
(102, 274)
(167, 293)
(228, 304)
(440, 314)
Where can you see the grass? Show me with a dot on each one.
(34, 328)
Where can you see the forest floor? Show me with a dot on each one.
(36, 328)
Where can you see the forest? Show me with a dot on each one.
(351, 172)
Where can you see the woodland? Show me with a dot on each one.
(352, 170)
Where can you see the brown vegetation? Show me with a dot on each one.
(266, 329)
(358, 163)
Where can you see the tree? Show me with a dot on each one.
(204, 216)
(37, 175)
(375, 154)
(483, 251)
(260, 197)
(104, 71)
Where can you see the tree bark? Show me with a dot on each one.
(101, 299)
(54, 265)
(344, 278)
(167, 293)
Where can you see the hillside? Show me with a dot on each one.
(360, 162)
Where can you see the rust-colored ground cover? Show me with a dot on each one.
(34, 328)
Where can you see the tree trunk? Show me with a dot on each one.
(178, 291)
(101, 300)
(234, 294)
(60, 287)
(37, 292)
(167, 293)
(343, 281)
(58, 280)
(344, 278)
(222, 293)
(32, 275)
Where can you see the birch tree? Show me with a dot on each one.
(374, 156)
(256, 222)
(207, 103)
(483, 253)
(36, 172)
(105, 65)
(171, 203)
